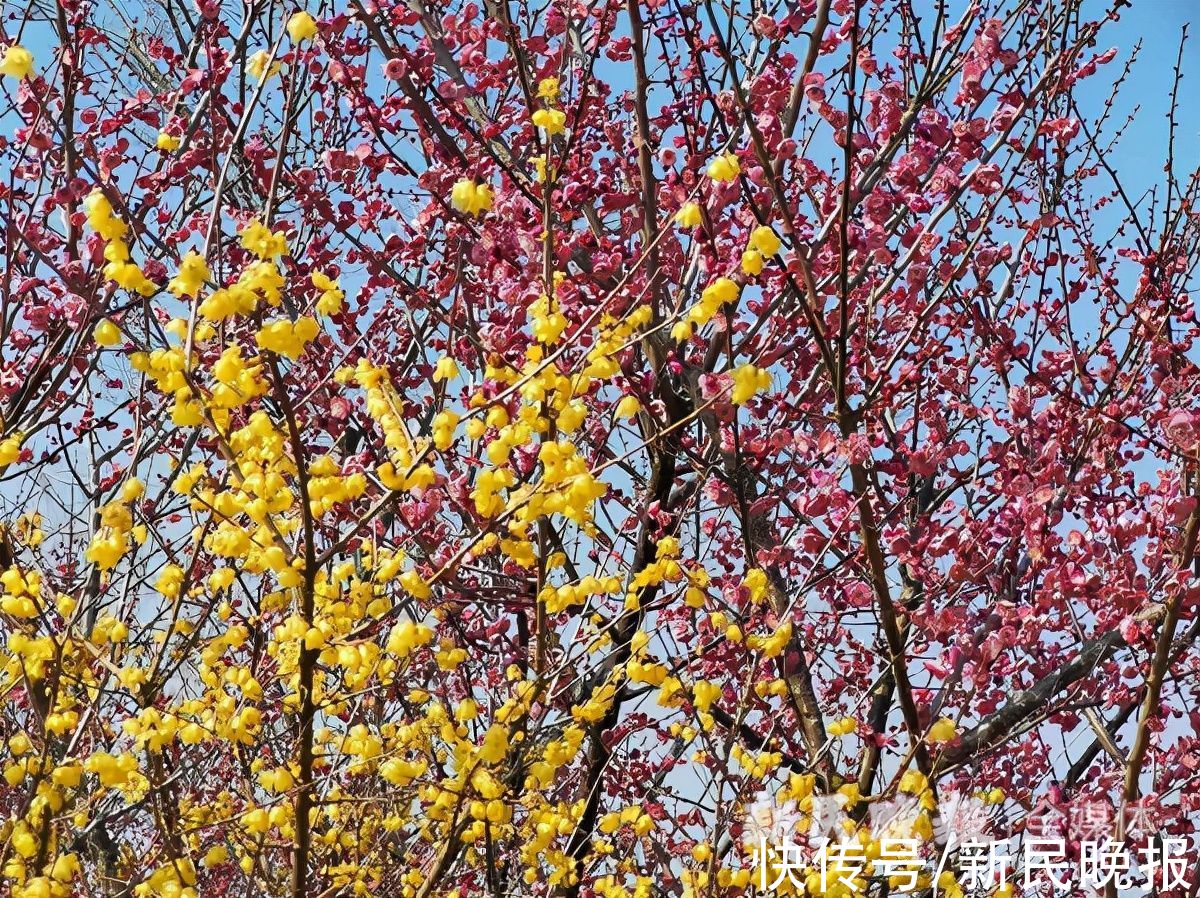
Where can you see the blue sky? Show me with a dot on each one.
(1157, 24)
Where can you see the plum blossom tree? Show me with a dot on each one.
(516, 449)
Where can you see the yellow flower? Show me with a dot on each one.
(688, 216)
(278, 780)
(548, 89)
(399, 772)
(628, 407)
(330, 300)
(843, 727)
(752, 262)
(113, 770)
(942, 731)
(948, 886)
(447, 369)
(193, 272)
(765, 240)
(260, 240)
(913, 782)
(471, 198)
(495, 745)
(301, 27)
(129, 276)
(724, 168)
(10, 448)
(720, 292)
(170, 581)
(101, 218)
(68, 775)
(444, 423)
(257, 66)
(256, 821)
(552, 121)
(17, 62)
(288, 338)
(107, 333)
(546, 321)
(167, 142)
(748, 380)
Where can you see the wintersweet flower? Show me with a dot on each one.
(262, 241)
(720, 292)
(17, 62)
(842, 727)
(724, 168)
(444, 423)
(129, 276)
(10, 448)
(546, 321)
(193, 272)
(301, 27)
(330, 300)
(101, 217)
(471, 198)
(106, 333)
(260, 67)
(688, 216)
(747, 381)
(764, 240)
(552, 121)
(942, 731)
(628, 407)
(278, 780)
(446, 369)
(288, 338)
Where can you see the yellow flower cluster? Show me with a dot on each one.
(720, 292)
(747, 381)
(404, 472)
(288, 338)
(549, 118)
(260, 281)
(262, 241)
(470, 197)
(120, 268)
(330, 300)
(546, 321)
(764, 243)
(193, 274)
(115, 535)
(366, 636)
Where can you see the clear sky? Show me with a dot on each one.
(1158, 24)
